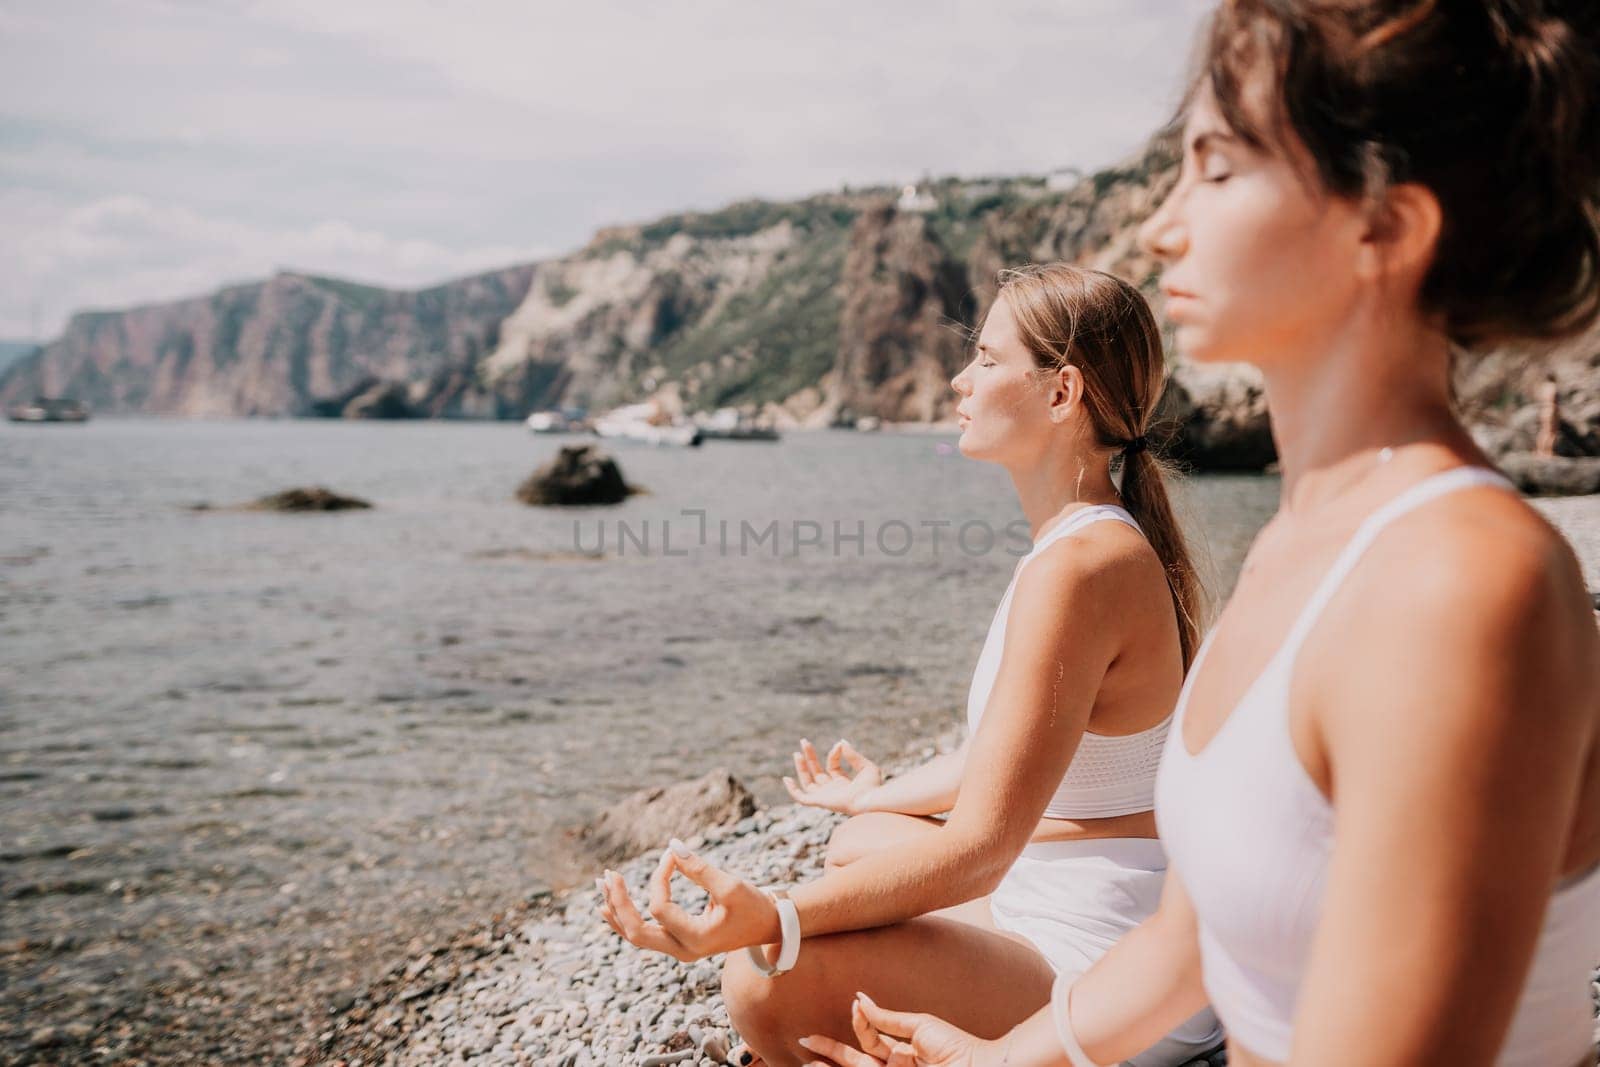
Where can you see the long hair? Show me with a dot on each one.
(1103, 326)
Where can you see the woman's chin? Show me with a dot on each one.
(1194, 345)
(970, 447)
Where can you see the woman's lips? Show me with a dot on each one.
(1178, 300)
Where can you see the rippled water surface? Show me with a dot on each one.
(254, 753)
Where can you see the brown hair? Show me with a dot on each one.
(1493, 105)
(1103, 326)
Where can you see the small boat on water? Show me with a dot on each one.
(648, 424)
(50, 409)
(729, 424)
(564, 420)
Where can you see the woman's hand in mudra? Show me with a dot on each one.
(738, 914)
(903, 1039)
(828, 785)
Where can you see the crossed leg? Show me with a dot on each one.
(982, 981)
(953, 963)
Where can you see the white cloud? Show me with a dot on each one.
(166, 146)
(127, 249)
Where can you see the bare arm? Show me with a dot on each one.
(1456, 757)
(1050, 672)
(930, 788)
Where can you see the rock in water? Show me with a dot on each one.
(1552, 475)
(651, 817)
(382, 400)
(580, 474)
(314, 498)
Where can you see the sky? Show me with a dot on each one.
(156, 149)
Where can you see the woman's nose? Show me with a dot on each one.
(1161, 235)
(959, 382)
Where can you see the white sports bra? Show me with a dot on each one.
(1108, 775)
(1250, 834)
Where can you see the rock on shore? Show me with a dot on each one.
(640, 822)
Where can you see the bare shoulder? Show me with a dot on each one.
(1103, 559)
(1091, 589)
(1484, 554)
(1475, 593)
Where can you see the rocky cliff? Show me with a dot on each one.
(277, 347)
(817, 310)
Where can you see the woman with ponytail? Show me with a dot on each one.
(1049, 853)
(1381, 789)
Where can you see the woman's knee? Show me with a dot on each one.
(748, 995)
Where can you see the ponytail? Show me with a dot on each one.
(1144, 494)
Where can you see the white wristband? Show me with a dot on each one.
(1061, 1012)
(789, 947)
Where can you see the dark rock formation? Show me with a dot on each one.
(314, 498)
(651, 817)
(1552, 475)
(1215, 418)
(382, 400)
(578, 475)
(903, 328)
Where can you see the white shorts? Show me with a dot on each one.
(1073, 900)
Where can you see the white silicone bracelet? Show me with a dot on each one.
(1061, 1012)
(788, 947)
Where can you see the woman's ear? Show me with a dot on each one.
(1066, 392)
(1402, 233)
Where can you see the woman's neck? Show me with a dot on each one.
(1060, 481)
(1335, 409)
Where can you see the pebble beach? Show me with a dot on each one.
(549, 983)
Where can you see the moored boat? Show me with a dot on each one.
(50, 409)
(730, 424)
(564, 420)
(648, 424)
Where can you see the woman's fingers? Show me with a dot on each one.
(818, 771)
(713, 880)
(802, 771)
(663, 909)
(605, 907)
(794, 791)
(903, 1056)
(632, 926)
(867, 1035)
(839, 1052)
(857, 761)
(900, 1024)
(836, 757)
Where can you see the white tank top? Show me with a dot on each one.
(1250, 834)
(1108, 775)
